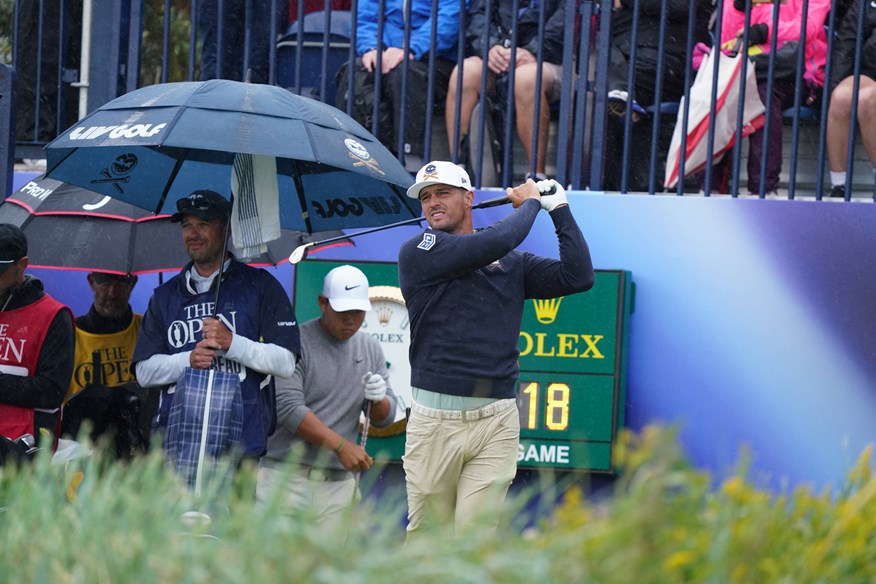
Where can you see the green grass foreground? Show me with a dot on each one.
(666, 522)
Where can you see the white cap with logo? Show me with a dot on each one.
(440, 172)
(346, 288)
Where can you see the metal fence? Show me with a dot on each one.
(71, 56)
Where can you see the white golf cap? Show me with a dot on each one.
(440, 172)
(346, 288)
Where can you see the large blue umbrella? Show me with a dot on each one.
(157, 144)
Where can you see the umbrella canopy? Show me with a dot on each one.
(72, 228)
(157, 144)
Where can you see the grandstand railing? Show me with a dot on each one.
(131, 43)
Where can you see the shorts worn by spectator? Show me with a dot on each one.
(251, 332)
(341, 370)
(459, 464)
(36, 333)
(839, 118)
(496, 35)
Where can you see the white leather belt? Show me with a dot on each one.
(471, 415)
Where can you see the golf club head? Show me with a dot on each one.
(299, 253)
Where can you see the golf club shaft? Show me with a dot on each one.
(367, 423)
(491, 203)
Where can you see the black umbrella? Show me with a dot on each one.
(70, 227)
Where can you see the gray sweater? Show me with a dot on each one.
(328, 382)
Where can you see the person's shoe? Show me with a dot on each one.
(536, 176)
(617, 105)
(838, 192)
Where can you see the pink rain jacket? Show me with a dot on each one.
(790, 20)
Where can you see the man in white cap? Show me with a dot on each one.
(464, 291)
(341, 372)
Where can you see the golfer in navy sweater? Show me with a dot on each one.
(464, 291)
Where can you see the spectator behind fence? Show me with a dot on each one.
(644, 85)
(225, 60)
(842, 84)
(784, 76)
(391, 101)
(496, 34)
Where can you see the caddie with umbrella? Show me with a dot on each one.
(230, 339)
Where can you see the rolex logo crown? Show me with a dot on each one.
(384, 313)
(546, 310)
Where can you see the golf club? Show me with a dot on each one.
(300, 252)
(365, 426)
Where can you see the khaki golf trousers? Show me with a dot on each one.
(459, 464)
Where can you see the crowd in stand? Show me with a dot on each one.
(422, 58)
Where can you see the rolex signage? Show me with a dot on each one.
(574, 334)
(572, 391)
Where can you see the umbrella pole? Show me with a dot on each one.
(206, 418)
(300, 252)
(221, 267)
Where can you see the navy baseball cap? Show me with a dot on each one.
(13, 245)
(203, 204)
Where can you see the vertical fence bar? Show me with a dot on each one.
(658, 100)
(536, 110)
(856, 86)
(403, 96)
(482, 98)
(165, 43)
(193, 39)
(570, 18)
(800, 62)
(430, 85)
(710, 140)
(603, 51)
(685, 113)
(7, 129)
(581, 93)
(631, 95)
(508, 139)
(771, 98)
(453, 133)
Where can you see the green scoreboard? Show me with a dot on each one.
(573, 356)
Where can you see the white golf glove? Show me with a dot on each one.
(551, 202)
(375, 387)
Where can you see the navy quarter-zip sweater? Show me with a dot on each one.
(465, 295)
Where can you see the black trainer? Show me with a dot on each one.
(838, 192)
